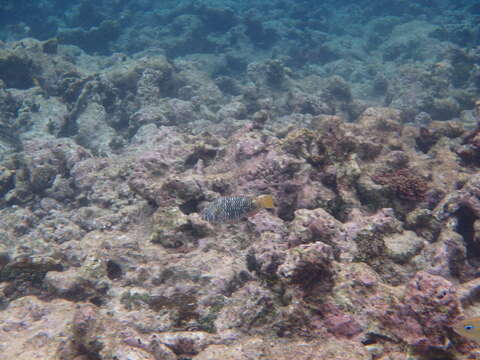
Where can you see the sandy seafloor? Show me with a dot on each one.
(121, 120)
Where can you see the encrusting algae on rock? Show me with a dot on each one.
(233, 208)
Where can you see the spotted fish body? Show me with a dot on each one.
(470, 328)
(233, 208)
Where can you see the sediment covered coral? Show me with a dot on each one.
(370, 252)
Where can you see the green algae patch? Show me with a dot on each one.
(134, 300)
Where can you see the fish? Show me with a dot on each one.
(470, 328)
(233, 208)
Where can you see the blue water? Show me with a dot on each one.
(285, 26)
(370, 44)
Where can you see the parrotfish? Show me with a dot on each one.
(233, 208)
(470, 328)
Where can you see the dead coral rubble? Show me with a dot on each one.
(371, 251)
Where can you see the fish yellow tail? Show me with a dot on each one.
(264, 201)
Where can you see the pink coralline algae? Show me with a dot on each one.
(372, 246)
(429, 305)
(339, 323)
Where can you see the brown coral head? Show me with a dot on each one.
(408, 184)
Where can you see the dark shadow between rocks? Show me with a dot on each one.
(465, 227)
(189, 206)
(87, 354)
(437, 354)
(97, 301)
(426, 140)
(287, 198)
(114, 271)
(206, 154)
(371, 338)
(313, 279)
(183, 307)
(261, 36)
(17, 72)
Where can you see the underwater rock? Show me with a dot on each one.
(265, 257)
(85, 327)
(338, 89)
(17, 71)
(75, 285)
(147, 347)
(369, 233)
(29, 268)
(152, 114)
(35, 329)
(89, 322)
(402, 247)
(429, 136)
(6, 180)
(59, 229)
(339, 323)
(468, 291)
(234, 110)
(180, 111)
(333, 349)
(64, 284)
(44, 167)
(308, 266)
(381, 119)
(171, 228)
(256, 306)
(447, 256)
(373, 195)
(32, 67)
(152, 78)
(445, 109)
(183, 188)
(249, 146)
(304, 103)
(93, 131)
(430, 303)
(315, 225)
(4, 256)
(107, 160)
(268, 74)
(268, 222)
(466, 198)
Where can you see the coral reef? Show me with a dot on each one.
(118, 129)
(407, 184)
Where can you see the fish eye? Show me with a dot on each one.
(468, 327)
